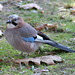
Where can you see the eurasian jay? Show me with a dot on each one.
(23, 37)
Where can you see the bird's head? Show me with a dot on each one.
(13, 21)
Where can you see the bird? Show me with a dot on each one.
(23, 37)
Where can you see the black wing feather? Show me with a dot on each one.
(45, 37)
(54, 44)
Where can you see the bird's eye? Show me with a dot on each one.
(15, 19)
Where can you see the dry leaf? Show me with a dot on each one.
(0, 60)
(30, 6)
(1, 33)
(62, 9)
(73, 39)
(53, 26)
(69, 5)
(1, 7)
(72, 11)
(49, 60)
(62, 17)
(63, 24)
(39, 28)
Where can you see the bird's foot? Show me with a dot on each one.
(21, 54)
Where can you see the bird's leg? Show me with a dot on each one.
(27, 55)
(21, 53)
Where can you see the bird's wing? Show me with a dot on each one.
(48, 41)
(29, 34)
(27, 31)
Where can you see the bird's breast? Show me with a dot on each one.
(10, 26)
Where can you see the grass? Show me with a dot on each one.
(50, 6)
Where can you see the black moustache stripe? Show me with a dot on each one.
(14, 23)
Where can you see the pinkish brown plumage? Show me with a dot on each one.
(25, 38)
(13, 36)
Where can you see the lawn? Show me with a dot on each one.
(52, 14)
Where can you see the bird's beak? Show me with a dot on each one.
(8, 21)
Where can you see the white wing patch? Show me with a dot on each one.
(39, 38)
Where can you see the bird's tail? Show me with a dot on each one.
(57, 45)
(61, 47)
